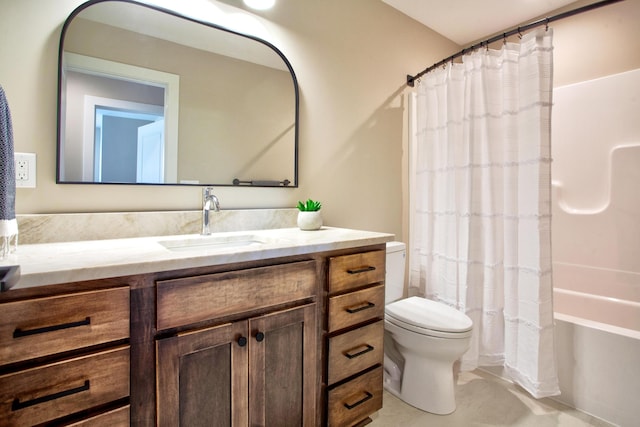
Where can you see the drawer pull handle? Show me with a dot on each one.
(242, 341)
(17, 405)
(359, 402)
(360, 307)
(18, 333)
(367, 349)
(260, 336)
(360, 269)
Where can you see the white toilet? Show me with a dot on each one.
(423, 339)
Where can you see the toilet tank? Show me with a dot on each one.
(394, 277)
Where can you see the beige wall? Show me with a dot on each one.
(351, 58)
(597, 43)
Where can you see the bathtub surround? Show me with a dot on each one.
(480, 194)
(8, 223)
(604, 299)
(596, 245)
(44, 228)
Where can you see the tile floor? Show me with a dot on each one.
(486, 400)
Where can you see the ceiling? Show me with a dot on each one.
(467, 21)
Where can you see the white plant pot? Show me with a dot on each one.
(309, 220)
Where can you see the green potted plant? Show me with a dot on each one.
(309, 217)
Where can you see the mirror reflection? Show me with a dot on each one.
(149, 97)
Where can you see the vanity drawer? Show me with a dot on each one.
(44, 326)
(351, 271)
(116, 418)
(355, 351)
(48, 392)
(356, 307)
(194, 299)
(355, 400)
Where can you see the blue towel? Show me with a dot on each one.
(8, 223)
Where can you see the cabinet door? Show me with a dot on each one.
(282, 367)
(202, 377)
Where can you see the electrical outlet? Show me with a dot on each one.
(25, 164)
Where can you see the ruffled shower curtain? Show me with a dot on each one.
(480, 204)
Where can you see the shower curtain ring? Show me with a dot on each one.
(519, 33)
(546, 25)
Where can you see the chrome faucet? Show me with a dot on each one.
(209, 201)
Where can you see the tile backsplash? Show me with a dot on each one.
(51, 228)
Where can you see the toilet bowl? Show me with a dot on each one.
(423, 339)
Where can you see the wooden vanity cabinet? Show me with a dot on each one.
(291, 341)
(64, 357)
(354, 339)
(258, 369)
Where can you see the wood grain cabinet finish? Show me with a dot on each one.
(351, 402)
(202, 377)
(258, 372)
(355, 351)
(283, 368)
(194, 299)
(348, 272)
(355, 336)
(44, 326)
(65, 356)
(51, 391)
(257, 343)
(119, 417)
(356, 307)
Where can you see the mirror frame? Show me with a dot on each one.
(77, 10)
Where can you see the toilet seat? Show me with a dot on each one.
(427, 317)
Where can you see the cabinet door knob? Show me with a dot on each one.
(260, 336)
(242, 341)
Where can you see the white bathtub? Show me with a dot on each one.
(596, 245)
(597, 337)
(604, 299)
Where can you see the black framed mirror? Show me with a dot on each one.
(149, 96)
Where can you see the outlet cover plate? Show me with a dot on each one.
(25, 164)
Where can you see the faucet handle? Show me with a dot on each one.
(207, 192)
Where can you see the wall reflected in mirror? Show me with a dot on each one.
(149, 97)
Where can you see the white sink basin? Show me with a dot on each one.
(214, 243)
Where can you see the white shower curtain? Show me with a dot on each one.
(480, 204)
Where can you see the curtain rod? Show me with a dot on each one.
(518, 30)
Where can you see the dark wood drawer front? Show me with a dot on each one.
(44, 326)
(194, 299)
(355, 351)
(48, 392)
(356, 307)
(356, 399)
(351, 271)
(116, 418)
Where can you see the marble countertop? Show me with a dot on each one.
(53, 263)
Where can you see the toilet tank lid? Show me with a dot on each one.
(429, 314)
(395, 247)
